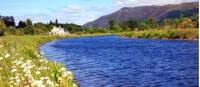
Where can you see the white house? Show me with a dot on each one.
(58, 31)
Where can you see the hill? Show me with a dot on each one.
(144, 12)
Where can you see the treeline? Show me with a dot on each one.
(181, 22)
(152, 23)
(7, 24)
(27, 27)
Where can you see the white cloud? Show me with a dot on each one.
(73, 9)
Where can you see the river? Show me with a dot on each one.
(112, 61)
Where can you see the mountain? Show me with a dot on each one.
(144, 12)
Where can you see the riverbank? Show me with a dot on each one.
(181, 34)
(21, 65)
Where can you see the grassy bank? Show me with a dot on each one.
(183, 34)
(22, 66)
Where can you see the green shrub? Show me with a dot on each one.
(1, 32)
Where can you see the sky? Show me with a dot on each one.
(70, 11)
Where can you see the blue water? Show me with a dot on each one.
(111, 61)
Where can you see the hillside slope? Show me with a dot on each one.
(144, 12)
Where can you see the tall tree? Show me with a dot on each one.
(29, 28)
(152, 23)
(56, 23)
(21, 24)
(2, 27)
(2, 24)
(133, 24)
(29, 23)
(112, 23)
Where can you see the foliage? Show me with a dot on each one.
(21, 24)
(1, 32)
(2, 24)
(9, 20)
(188, 34)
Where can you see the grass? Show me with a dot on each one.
(185, 34)
(21, 65)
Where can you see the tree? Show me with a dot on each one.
(152, 23)
(133, 24)
(21, 24)
(167, 23)
(8, 20)
(195, 19)
(89, 30)
(2, 27)
(176, 23)
(56, 23)
(100, 30)
(114, 27)
(29, 23)
(50, 23)
(29, 28)
(112, 23)
(2, 24)
(40, 28)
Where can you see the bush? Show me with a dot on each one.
(1, 32)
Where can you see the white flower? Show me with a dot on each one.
(7, 55)
(23, 65)
(74, 85)
(18, 80)
(67, 73)
(11, 78)
(1, 58)
(38, 72)
(14, 70)
(63, 69)
(37, 83)
(50, 83)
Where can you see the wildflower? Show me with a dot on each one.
(37, 83)
(18, 80)
(19, 62)
(50, 83)
(1, 58)
(41, 60)
(7, 55)
(11, 78)
(62, 69)
(44, 68)
(14, 70)
(67, 73)
(38, 72)
(23, 65)
(74, 85)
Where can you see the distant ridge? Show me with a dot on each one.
(144, 12)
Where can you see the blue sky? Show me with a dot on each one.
(70, 11)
